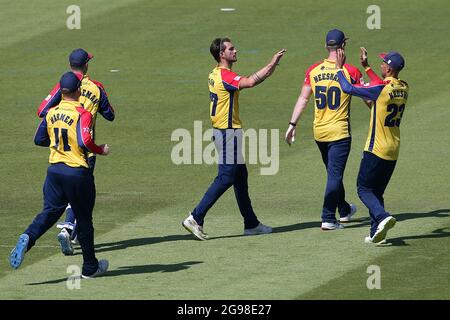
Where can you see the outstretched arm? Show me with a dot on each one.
(367, 93)
(261, 75)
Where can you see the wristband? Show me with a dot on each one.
(293, 124)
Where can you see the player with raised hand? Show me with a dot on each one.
(331, 126)
(224, 88)
(383, 141)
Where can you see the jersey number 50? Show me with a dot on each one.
(330, 97)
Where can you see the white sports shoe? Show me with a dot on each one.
(327, 226)
(259, 229)
(102, 268)
(348, 217)
(368, 239)
(75, 240)
(383, 228)
(64, 241)
(193, 227)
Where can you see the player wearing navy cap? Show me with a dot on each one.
(331, 126)
(94, 99)
(67, 130)
(383, 142)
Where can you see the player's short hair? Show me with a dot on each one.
(217, 47)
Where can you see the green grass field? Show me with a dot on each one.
(162, 51)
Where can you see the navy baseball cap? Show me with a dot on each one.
(393, 59)
(69, 81)
(79, 57)
(335, 37)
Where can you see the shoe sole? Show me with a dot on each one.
(96, 275)
(256, 233)
(66, 249)
(18, 253)
(376, 243)
(380, 236)
(196, 236)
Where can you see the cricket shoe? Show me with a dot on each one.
(65, 225)
(18, 253)
(348, 217)
(101, 270)
(75, 240)
(327, 226)
(193, 227)
(259, 229)
(383, 228)
(65, 242)
(369, 240)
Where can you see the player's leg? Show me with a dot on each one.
(334, 155)
(70, 216)
(328, 215)
(80, 190)
(243, 198)
(371, 179)
(54, 204)
(339, 152)
(388, 170)
(223, 180)
(367, 183)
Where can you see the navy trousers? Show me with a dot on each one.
(334, 156)
(373, 178)
(63, 185)
(70, 215)
(232, 172)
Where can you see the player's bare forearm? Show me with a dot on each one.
(298, 109)
(262, 74)
(301, 104)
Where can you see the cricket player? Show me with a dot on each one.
(67, 130)
(93, 99)
(331, 126)
(383, 142)
(224, 88)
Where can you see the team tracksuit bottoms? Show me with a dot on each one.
(232, 172)
(373, 178)
(63, 185)
(334, 156)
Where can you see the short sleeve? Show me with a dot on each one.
(230, 80)
(355, 75)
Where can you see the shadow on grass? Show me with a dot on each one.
(150, 268)
(356, 223)
(440, 213)
(123, 244)
(438, 233)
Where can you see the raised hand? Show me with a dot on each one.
(363, 57)
(340, 59)
(277, 57)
